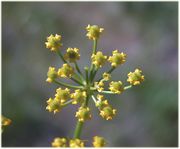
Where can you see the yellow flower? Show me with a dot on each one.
(98, 59)
(72, 54)
(53, 42)
(78, 96)
(106, 76)
(59, 142)
(107, 112)
(62, 94)
(99, 86)
(65, 71)
(54, 105)
(101, 102)
(83, 114)
(117, 58)
(51, 74)
(76, 143)
(5, 121)
(93, 32)
(136, 77)
(98, 141)
(116, 87)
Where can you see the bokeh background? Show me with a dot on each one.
(146, 31)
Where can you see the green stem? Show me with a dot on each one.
(61, 56)
(94, 46)
(67, 85)
(77, 81)
(86, 72)
(79, 125)
(94, 74)
(111, 70)
(108, 92)
(79, 71)
(77, 68)
(127, 87)
(78, 130)
(94, 52)
(94, 99)
(67, 103)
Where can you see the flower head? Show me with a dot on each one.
(101, 102)
(98, 59)
(59, 142)
(76, 143)
(136, 77)
(78, 96)
(72, 54)
(66, 71)
(106, 76)
(107, 112)
(51, 74)
(117, 58)
(93, 32)
(62, 94)
(83, 114)
(54, 105)
(53, 42)
(99, 86)
(116, 87)
(98, 141)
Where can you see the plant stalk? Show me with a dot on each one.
(79, 125)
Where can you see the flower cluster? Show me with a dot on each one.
(53, 42)
(76, 143)
(86, 89)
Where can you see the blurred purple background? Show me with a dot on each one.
(146, 31)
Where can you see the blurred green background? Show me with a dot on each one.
(147, 31)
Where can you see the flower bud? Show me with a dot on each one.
(136, 77)
(116, 87)
(76, 143)
(53, 42)
(66, 71)
(99, 86)
(54, 105)
(51, 74)
(93, 32)
(62, 94)
(107, 112)
(83, 114)
(98, 59)
(78, 96)
(98, 141)
(117, 58)
(59, 142)
(106, 76)
(72, 54)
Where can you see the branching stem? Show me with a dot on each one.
(67, 85)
